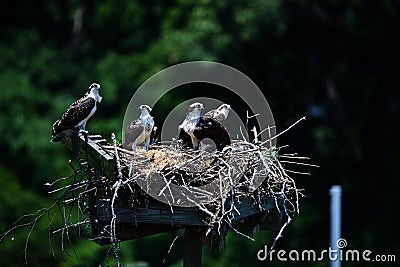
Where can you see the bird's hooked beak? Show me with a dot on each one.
(94, 87)
(96, 91)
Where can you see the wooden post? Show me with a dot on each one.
(192, 249)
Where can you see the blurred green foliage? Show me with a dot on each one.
(335, 61)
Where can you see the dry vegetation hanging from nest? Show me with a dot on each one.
(243, 170)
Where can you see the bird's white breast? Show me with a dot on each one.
(95, 96)
(148, 124)
(148, 127)
(83, 122)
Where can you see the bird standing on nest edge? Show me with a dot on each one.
(140, 130)
(78, 113)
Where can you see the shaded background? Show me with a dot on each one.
(336, 62)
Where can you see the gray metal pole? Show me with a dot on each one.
(336, 220)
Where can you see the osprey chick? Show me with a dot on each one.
(220, 114)
(78, 113)
(196, 128)
(140, 130)
(191, 122)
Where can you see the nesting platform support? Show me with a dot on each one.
(153, 217)
(156, 217)
(192, 256)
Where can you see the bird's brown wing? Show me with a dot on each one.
(132, 132)
(153, 135)
(185, 139)
(76, 112)
(207, 128)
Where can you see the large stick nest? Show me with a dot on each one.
(209, 180)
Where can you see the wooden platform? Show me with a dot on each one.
(152, 217)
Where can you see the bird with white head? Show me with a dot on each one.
(140, 130)
(78, 113)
